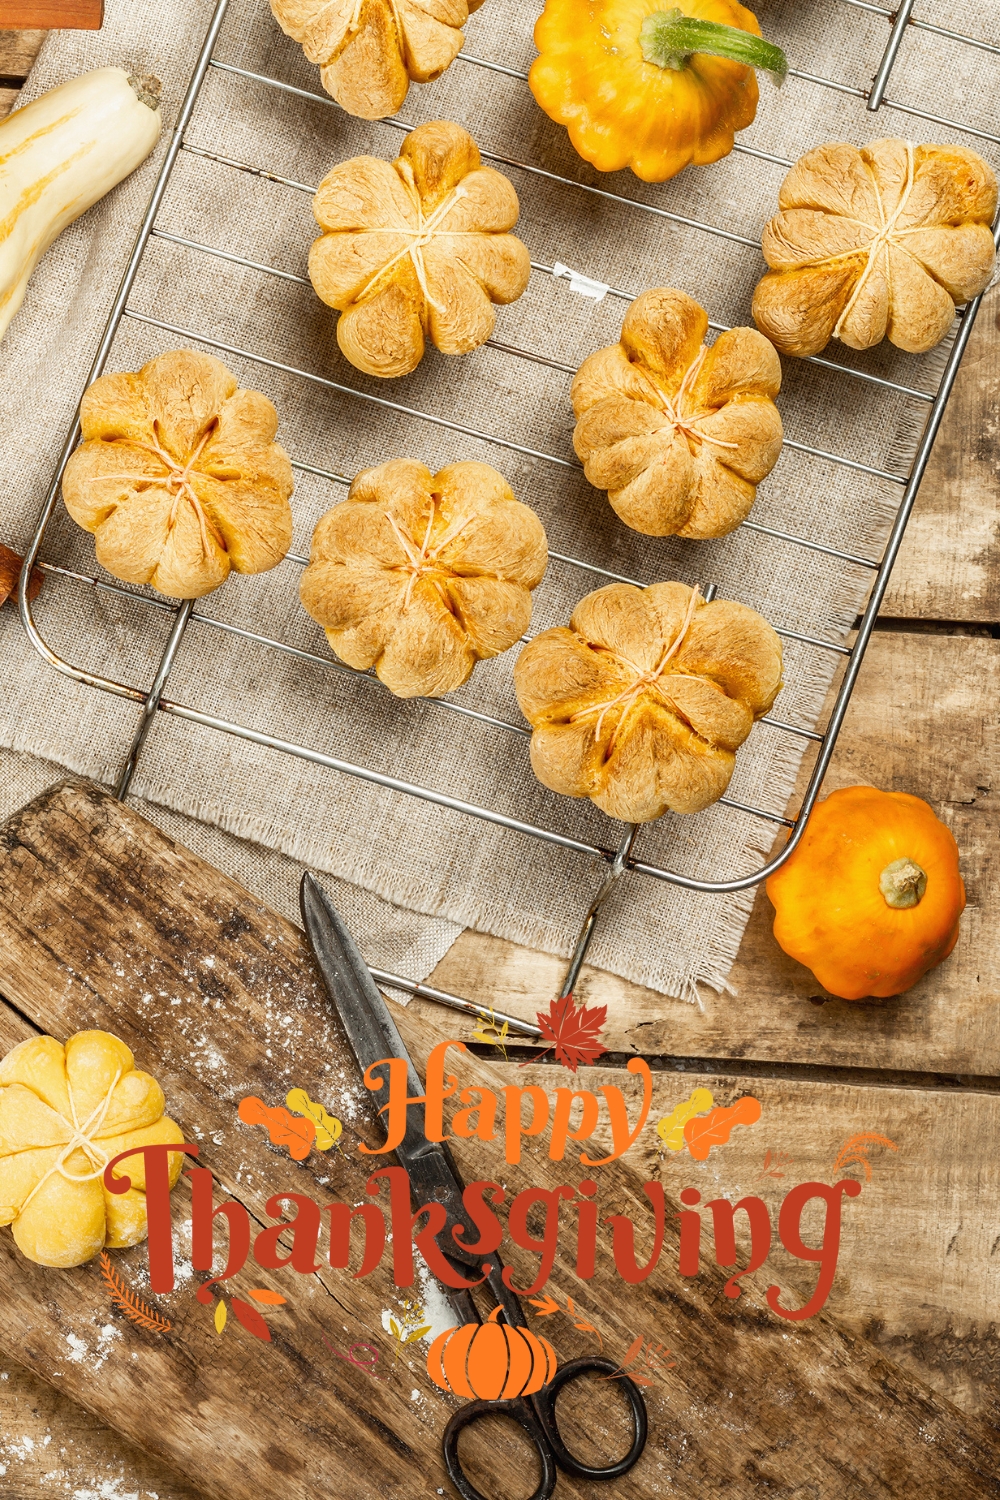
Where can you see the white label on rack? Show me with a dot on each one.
(584, 286)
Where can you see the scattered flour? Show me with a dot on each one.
(107, 1489)
(440, 1313)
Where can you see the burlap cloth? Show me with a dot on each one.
(441, 863)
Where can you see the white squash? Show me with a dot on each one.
(60, 154)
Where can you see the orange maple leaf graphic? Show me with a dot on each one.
(715, 1128)
(573, 1030)
(284, 1129)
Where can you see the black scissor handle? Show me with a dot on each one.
(544, 1405)
(519, 1411)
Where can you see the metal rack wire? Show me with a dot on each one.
(621, 859)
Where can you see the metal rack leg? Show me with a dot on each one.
(153, 700)
(617, 869)
(899, 25)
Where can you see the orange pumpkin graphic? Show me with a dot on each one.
(491, 1361)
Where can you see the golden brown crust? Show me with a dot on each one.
(178, 476)
(882, 241)
(642, 702)
(678, 435)
(415, 249)
(421, 575)
(369, 50)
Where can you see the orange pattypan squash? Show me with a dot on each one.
(870, 898)
(650, 85)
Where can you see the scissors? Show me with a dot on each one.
(373, 1037)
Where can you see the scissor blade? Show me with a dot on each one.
(363, 1013)
(372, 1035)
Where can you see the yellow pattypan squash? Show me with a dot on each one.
(870, 898)
(65, 1113)
(650, 85)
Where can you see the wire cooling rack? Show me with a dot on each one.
(617, 860)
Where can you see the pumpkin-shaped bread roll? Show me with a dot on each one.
(642, 702)
(65, 1113)
(416, 248)
(179, 477)
(881, 241)
(678, 434)
(369, 50)
(421, 575)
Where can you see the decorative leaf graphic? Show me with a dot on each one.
(283, 1128)
(589, 1328)
(854, 1152)
(132, 1306)
(574, 1031)
(251, 1320)
(220, 1317)
(394, 1329)
(417, 1333)
(654, 1361)
(634, 1349)
(545, 1304)
(490, 1034)
(273, 1299)
(328, 1128)
(671, 1128)
(773, 1161)
(715, 1128)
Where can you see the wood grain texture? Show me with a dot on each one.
(18, 50)
(947, 567)
(916, 724)
(105, 922)
(67, 15)
(51, 1446)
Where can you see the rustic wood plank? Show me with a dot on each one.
(50, 1445)
(919, 698)
(67, 15)
(947, 567)
(18, 50)
(8, 99)
(106, 922)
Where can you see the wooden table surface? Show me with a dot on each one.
(923, 720)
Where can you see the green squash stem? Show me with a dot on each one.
(669, 38)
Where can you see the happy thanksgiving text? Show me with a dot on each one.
(536, 1216)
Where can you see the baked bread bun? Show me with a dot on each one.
(678, 434)
(873, 242)
(178, 476)
(642, 702)
(369, 50)
(421, 575)
(417, 248)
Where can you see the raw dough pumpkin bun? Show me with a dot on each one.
(882, 241)
(369, 50)
(179, 477)
(65, 1112)
(642, 702)
(416, 248)
(678, 434)
(421, 575)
